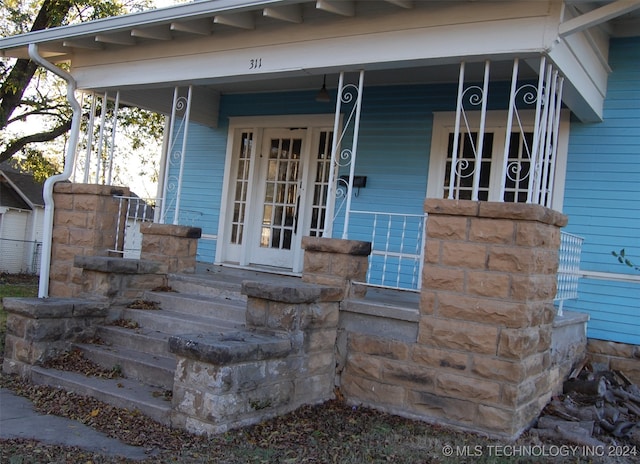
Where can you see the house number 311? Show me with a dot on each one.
(255, 63)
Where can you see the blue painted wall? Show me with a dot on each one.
(602, 199)
(395, 136)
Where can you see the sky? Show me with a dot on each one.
(141, 185)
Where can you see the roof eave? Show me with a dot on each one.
(188, 11)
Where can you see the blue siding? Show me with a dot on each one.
(395, 135)
(201, 185)
(602, 199)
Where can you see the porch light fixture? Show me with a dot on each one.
(323, 95)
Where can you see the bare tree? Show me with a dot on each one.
(27, 91)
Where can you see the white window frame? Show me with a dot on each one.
(444, 124)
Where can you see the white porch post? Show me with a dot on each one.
(354, 152)
(185, 133)
(333, 170)
(173, 182)
(347, 156)
(114, 127)
(90, 126)
(483, 118)
(103, 118)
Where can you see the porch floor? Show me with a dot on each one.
(235, 276)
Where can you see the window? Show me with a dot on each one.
(517, 168)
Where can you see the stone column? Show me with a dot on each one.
(174, 247)
(487, 301)
(335, 262)
(84, 224)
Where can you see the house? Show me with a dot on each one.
(292, 119)
(21, 215)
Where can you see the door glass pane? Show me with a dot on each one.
(242, 184)
(281, 194)
(321, 183)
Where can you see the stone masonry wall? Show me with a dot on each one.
(84, 224)
(173, 246)
(284, 359)
(329, 261)
(482, 357)
(616, 356)
(39, 329)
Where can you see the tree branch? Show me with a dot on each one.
(51, 14)
(19, 144)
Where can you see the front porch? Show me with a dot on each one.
(474, 317)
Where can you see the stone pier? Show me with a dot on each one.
(482, 358)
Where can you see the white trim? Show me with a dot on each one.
(611, 276)
(287, 120)
(257, 125)
(444, 122)
(186, 12)
(597, 16)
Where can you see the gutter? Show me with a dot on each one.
(181, 12)
(69, 162)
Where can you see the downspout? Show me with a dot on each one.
(69, 162)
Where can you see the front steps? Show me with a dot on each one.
(135, 343)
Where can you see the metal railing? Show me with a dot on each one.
(132, 211)
(397, 244)
(568, 268)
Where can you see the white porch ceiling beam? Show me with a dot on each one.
(156, 33)
(289, 13)
(597, 16)
(119, 38)
(197, 27)
(342, 8)
(401, 3)
(240, 20)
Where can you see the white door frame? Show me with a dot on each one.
(226, 252)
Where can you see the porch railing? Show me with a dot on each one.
(568, 268)
(132, 211)
(397, 242)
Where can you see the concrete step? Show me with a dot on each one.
(227, 309)
(171, 322)
(144, 340)
(156, 370)
(122, 393)
(227, 288)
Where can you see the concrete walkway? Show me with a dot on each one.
(18, 419)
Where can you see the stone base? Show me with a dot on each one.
(117, 279)
(608, 355)
(39, 329)
(568, 345)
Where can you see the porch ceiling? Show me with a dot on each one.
(207, 93)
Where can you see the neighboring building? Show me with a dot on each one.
(21, 216)
(250, 144)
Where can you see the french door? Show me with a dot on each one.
(276, 193)
(279, 197)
